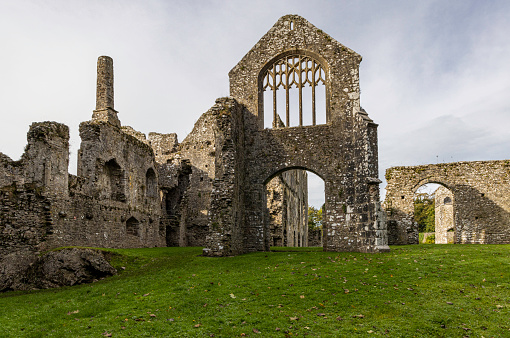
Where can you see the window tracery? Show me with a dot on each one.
(293, 71)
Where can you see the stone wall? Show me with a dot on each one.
(287, 208)
(343, 152)
(209, 190)
(25, 220)
(164, 146)
(115, 196)
(113, 202)
(480, 202)
(187, 171)
(443, 215)
(227, 211)
(31, 187)
(314, 237)
(191, 198)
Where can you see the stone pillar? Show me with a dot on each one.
(104, 92)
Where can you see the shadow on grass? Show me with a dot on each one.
(296, 249)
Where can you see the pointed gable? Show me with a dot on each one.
(293, 35)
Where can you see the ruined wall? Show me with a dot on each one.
(25, 220)
(343, 152)
(187, 172)
(276, 211)
(287, 208)
(174, 181)
(481, 200)
(113, 202)
(188, 199)
(115, 197)
(210, 189)
(227, 212)
(30, 187)
(443, 215)
(164, 146)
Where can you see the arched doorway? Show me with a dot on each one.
(295, 202)
(434, 213)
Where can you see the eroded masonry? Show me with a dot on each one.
(472, 206)
(232, 185)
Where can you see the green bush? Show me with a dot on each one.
(431, 239)
(424, 212)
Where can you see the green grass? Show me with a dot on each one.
(413, 291)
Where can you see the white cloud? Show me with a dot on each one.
(435, 74)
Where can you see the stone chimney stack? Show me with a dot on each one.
(104, 93)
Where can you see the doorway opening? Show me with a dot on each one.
(295, 205)
(434, 213)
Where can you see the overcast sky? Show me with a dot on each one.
(435, 75)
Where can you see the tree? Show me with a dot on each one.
(314, 217)
(424, 212)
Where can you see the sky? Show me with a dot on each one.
(435, 75)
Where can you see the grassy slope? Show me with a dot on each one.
(413, 291)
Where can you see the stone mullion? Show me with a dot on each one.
(275, 121)
(314, 120)
(287, 108)
(300, 87)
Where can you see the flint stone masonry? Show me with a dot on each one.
(480, 200)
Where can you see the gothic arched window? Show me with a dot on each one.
(297, 83)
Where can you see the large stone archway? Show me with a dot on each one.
(343, 151)
(481, 192)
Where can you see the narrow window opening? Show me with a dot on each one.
(151, 183)
(115, 181)
(292, 25)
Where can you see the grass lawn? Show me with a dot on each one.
(413, 291)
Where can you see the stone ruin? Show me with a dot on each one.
(294, 54)
(474, 202)
(238, 182)
(232, 185)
